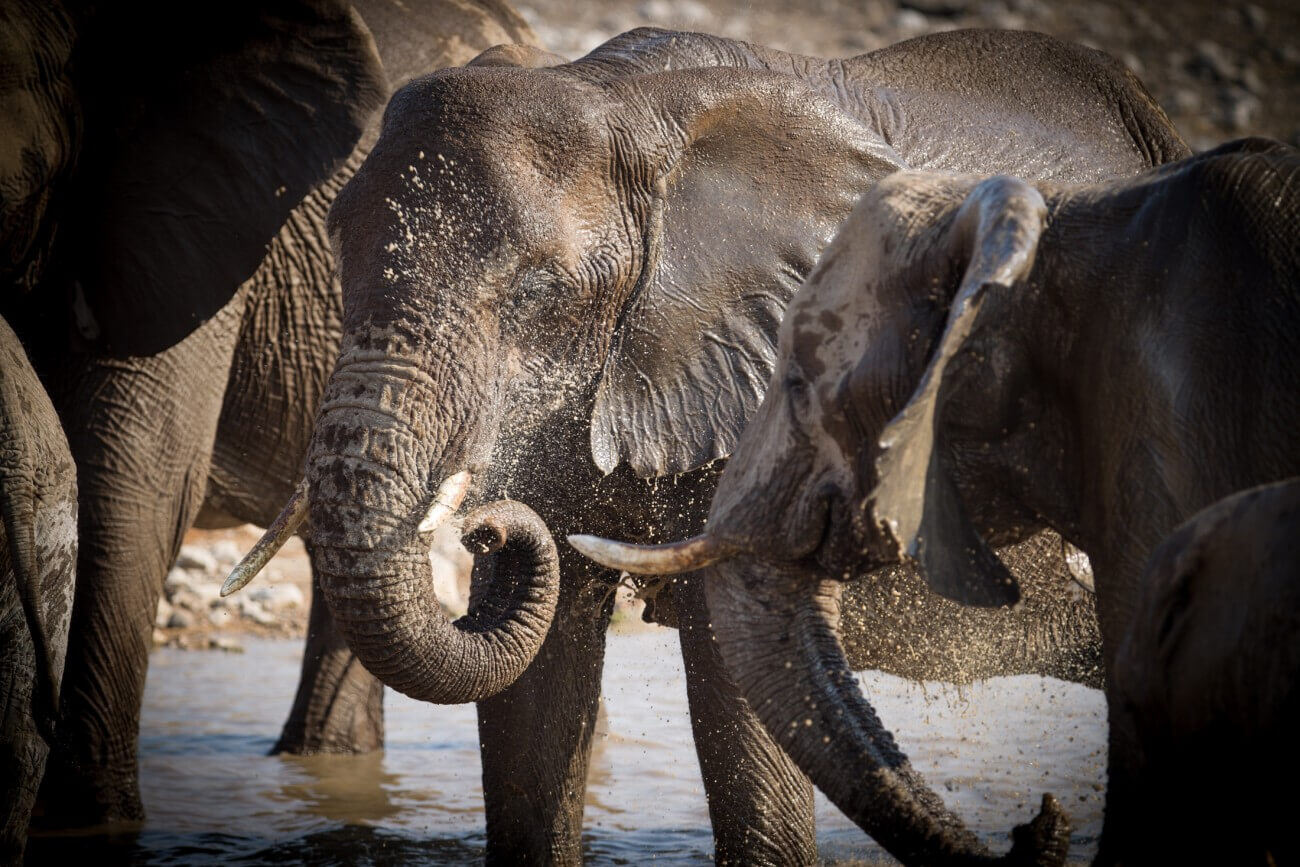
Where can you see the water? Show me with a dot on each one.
(213, 795)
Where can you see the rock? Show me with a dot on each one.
(1186, 101)
(227, 554)
(278, 597)
(1255, 17)
(250, 610)
(1240, 109)
(1211, 61)
(188, 600)
(228, 645)
(178, 579)
(159, 638)
(180, 619)
(910, 22)
(219, 617)
(198, 559)
(163, 614)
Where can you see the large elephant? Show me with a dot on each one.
(564, 284)
(1104, 360)
(166, 264)
(1208, 683)
(38, 561)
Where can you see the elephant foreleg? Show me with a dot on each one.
(760, 804)
(141, 433)
(536, 735)
(339, 705)
(22, 748)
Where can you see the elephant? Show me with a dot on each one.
(563, 283)
(1206, 678)
(973, 360)
(38, 560)
(166, 264)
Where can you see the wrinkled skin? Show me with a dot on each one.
(1208, 677)
(166, 264)
(1134, 359)
(567, 281)
(38, 559)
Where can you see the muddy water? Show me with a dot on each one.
(214, 796)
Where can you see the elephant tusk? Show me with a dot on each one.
(667, 559)
(284, 526)
(446, 501)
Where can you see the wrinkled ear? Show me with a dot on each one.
(761, 175)
(916, 499)
(202, 136)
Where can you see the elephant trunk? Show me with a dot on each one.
(781, 643)
(381, 447)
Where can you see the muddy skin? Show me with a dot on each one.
(517, 253)
(972, 306)
(190, 383)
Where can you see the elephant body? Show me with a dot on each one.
(185, 324)
(976, 359)
(565, 283)
(38, 559)
(1208, 682)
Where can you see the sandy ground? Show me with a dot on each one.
(1221, 70)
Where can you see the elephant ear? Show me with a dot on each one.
(916, 498)
(205, 128)
(759, 175)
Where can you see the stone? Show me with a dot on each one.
(250, 610)
(198, 559)
(227, 554)
(909, 21)
(1211, 61)
(163, 614)
(180, 619)
(159, 638)
(178, 579)
(225, 644)
(278, 597)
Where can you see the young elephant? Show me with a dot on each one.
(1208, 682)
(1104, 360)
(38, 558)
(565, 284)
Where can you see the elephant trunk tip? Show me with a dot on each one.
(1045, 841)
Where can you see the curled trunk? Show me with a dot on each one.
(781, 643)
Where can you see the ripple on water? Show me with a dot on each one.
(213, 795)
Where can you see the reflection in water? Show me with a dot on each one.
(213, 795)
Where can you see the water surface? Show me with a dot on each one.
(214, 796)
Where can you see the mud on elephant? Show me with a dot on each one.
(1102, 359)
(38, 559)
(566, 284)
(166, 264)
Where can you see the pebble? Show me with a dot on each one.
(180, 619)
(226, 553)
(250, 610)
(196, 558)
(178, 579)
(909, 21)
(229, 645)
(1210, 58)
(163, 614)
(277, 597)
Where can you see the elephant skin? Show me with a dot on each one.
(1208, 676)
(567, 282)
(975, 360)
(38, 561)
(166, 265)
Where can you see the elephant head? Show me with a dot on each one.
(972, 360)
(152, 156)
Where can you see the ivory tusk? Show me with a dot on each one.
(446, 501)
(668, 559)
(284, 526)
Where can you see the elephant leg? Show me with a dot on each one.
(141, 432)
(536, 735)
(760, 803)
(22, 749)
(339, 706)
